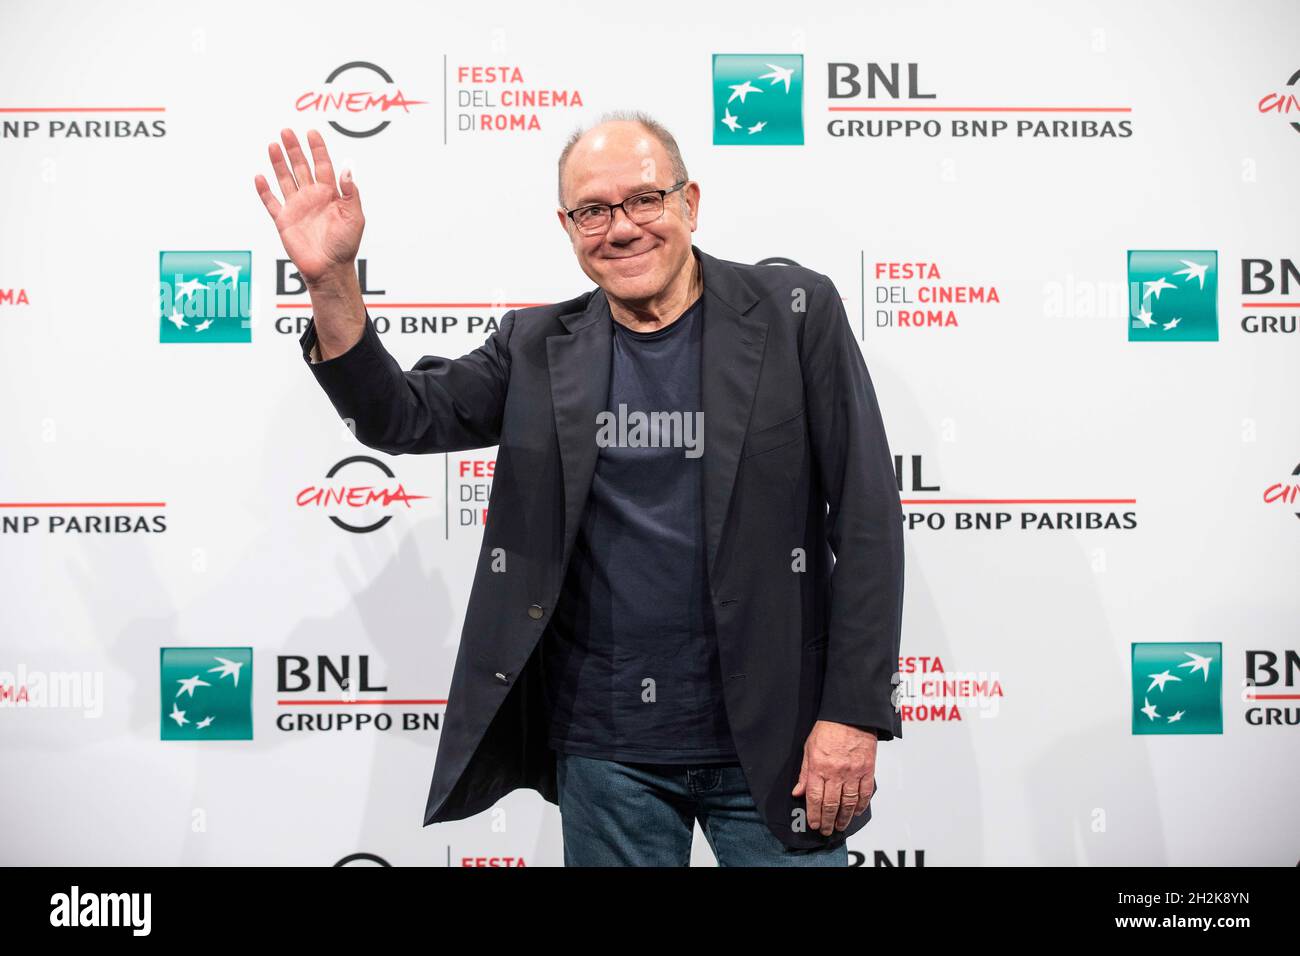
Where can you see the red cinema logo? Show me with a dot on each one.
(363, 108)
(370, 502)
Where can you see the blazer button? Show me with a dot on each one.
(503, 678)
(535, 611)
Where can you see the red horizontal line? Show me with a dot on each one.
(83, 109)
(980, 109)
(1019, 501)
(425, 305)
(1275, 697)
(83, 504)
(333, 703)
(1271, 305)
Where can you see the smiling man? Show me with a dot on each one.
(687, 604)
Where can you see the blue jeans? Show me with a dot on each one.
(639, 814)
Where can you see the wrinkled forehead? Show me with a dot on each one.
(610, 164)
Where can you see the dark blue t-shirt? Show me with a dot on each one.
(630, 654)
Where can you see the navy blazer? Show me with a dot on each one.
(801, 515)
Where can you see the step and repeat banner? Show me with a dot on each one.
(1065, 237)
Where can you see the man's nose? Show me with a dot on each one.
(622, 225)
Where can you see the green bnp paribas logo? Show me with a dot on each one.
(1173, 296)
(758, 100)
(204, 296)
(207, 693)
(1177, 688)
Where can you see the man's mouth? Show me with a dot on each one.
(633, 256)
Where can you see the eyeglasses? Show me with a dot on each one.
(642, 208)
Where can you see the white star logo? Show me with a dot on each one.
(1177, 716)
(1144, 317)
(729, 121)
(203, 723)
(1157, 287)
(226, 271)
(1198, 663)
(1161, 679)
(757, 127)
(1172, 323)
(177, 319)
(189, 683)
(742, 90)
(1193, 271)
(178, 715)
(189, 287)
(779, 74)
(1149, 709)
(228, 668)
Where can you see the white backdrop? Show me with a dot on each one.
(1037, 397)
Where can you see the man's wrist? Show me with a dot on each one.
(338, 310)
(334, 283)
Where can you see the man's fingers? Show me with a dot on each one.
(321, 157)
(803, 777)
(867, 789)
(297, 159)
(348, 186)
(849, 798)
(830, 806)
(816, 787)
(285, 178)
(268, 198)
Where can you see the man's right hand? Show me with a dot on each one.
(320, 226)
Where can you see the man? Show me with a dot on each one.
(688, 599)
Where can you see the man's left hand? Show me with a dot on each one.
(838, 774)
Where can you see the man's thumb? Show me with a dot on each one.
(347, 186)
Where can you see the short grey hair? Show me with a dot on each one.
(652, 126)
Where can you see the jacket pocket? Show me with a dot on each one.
(775, 436)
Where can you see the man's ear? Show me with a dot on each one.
(691, 193)
(564, 220)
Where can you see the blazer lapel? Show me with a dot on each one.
(734, 337)
(579, 362)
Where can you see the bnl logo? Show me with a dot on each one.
(881, 858)
(757, 100)
(206, 693)
(204, 296)
(1177, 688)
(1173, 295)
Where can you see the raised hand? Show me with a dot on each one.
(320, 224)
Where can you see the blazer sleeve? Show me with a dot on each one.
(439, 405)
(864, 520)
